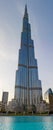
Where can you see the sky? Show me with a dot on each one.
(41, 20)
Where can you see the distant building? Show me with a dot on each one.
(0, 106)
(4, 101)
(5, 97)
(48, 97)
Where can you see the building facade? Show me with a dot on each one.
(48, 97)
(5, 97)
(4, 101)
(28, 89)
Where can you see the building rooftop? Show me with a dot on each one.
(49, 91)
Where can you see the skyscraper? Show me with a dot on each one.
(28, 90)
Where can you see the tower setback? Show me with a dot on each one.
(28, 90)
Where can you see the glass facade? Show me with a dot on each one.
(28, 88)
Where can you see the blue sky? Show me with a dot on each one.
(41, 19)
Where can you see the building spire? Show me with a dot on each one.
(26, 9)
(26, 13)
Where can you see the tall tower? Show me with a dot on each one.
(28, 90)
(5, 97)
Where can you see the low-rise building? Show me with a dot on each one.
(12, 106)
(43, 107)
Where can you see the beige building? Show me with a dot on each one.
(12, 105)
(48, 97)
(43, 107)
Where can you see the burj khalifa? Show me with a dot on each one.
(28, 89)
